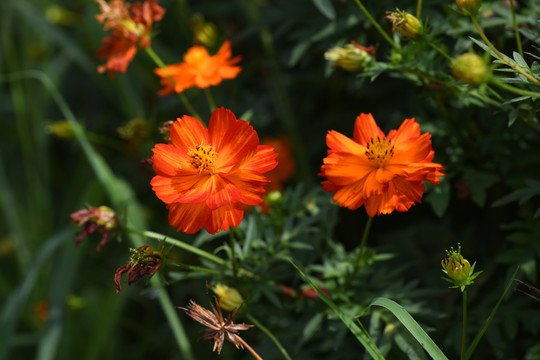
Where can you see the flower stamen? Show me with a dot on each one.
(379, 151)
(203, 158)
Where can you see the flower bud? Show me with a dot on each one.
(204, 32)
(405, 24)
(60, 129)
(469, 6)
(470, 68)
(352, 57)
(458, 269)
(229, 298)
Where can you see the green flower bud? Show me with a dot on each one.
(459, 270)
(469, 6)
(470, 68)
(229, 298)
(352, 57)
(405, 24)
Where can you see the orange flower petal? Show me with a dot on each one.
(346, 168)
(365, 129)
(188, 218)
(188, 132)
(338, 142)
(224, 192)
(168, 188)
(224, 217)
(168, 159)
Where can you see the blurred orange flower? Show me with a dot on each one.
(384, 173)
(207, 174)
(286, 164)
(130, 25)
(199, 69)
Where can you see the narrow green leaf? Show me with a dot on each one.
(364, 338)
(410, 324)
(326, 8)
(478, 337)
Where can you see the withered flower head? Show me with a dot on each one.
(165, 131)
(145, 260)
(218, 328)
(100, 220)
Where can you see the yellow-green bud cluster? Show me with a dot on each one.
(406, 24)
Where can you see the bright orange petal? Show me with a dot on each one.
(365, 129)
(224, 217)
(188, 218)
(224, 192)
(412, 189)
(262, 160)
(168, 188)
(346, 168)
(408, 130)
(188, 132)
(232, 139)
(168, 159)
(338, 142)
(201, 190)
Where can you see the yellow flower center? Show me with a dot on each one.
(203, 158)
(379, 151)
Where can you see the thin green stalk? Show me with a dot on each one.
(516, 30)
(376, 25)
(270, 335)
(192, 249)
(234, 264)
(162, 65)
(514, 89)
(440, 51)
(119, 194)
(360, 254)
(418, 8)
(500, 55)
(210, 99)
(464, 330)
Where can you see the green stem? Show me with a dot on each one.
(234, 264)
(418, 8)
(439, 50)
(501, 56)
(192, 249)
(376, 25)
(270, 335)
(516, 30)
(360, 254)
(162, 65)
(464, 330)
(210, 99)
(514, 89)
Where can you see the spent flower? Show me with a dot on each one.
(459, 270)
(383, 173)
(100, 220)
(217, 328)
(405, 24)
(207, 175)
(145, 260)
(131, 25)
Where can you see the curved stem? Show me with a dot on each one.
(464, 330)
(376, 25)
(360, 254)
(270, 335)
(210, 99)
(162, 65)
(501, 56)
(439, 50)
(518, 38)
(514, 89)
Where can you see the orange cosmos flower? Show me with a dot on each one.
(384, 173)
(199, 69)
(130, 25)
(207, 174)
